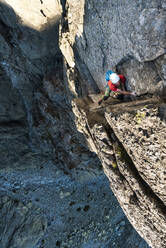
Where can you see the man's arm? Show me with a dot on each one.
(123, 87)
(126, 92)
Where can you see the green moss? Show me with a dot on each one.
(119, 151)
(122, 154)
(114, 165)
(139, 116)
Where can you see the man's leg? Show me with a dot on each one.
(106, 95)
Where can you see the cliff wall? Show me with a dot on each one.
(56, 141)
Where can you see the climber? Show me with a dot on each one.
(114, 82)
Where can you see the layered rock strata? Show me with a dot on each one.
(131, 146)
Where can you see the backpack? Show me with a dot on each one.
(107, 75)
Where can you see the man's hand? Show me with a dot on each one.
(133, 94)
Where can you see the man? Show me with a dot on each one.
(115, 84)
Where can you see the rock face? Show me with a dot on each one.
(53, 189)
(55, 141)
(133, 161)
(17, 218)
(106, 33)
(129, 140)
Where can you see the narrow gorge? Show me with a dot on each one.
(74, 174)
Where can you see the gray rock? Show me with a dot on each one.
(53, 150)
(19, 218)
(104, 33)
(11, 105)
(142, 77)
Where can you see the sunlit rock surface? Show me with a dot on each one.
(36, 14)
(130, 143)
(56, 141)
